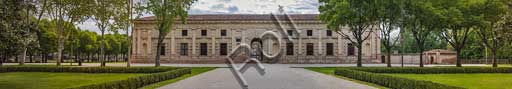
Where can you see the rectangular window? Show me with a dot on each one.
(184, 49)
(328, 33)
(309, 32)
(204, 32)
(310, 49)
(184, 33)
(350, 49)
(223, 49)
(203, 49)
(290, 32)
(238, 40)
(223, 33)
(329, 50)
(289, 48)
(162, 49)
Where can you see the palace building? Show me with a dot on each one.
(208, 38)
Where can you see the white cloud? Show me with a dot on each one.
(240, 7)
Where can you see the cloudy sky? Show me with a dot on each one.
(241, 7)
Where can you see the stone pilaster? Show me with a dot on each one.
(193, 33)
(173, 42)
(213, 35)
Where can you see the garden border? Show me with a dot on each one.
(156, 74)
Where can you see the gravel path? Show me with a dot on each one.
(276, 77)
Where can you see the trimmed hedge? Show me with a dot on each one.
(137, 82)
(391, 81)
(86, 69)
(436, 70)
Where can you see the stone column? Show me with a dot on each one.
(300, 41)
(233, 39)
(149, 41)
(173, 42)
(193, 33)
(213, 35)
(340, 44)
(135, 41)
(320, 49)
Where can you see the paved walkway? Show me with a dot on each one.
(277, 76)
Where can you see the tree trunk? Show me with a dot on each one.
(359, 56)
(16, 59)
(421, 56)
(42, 57)
(31, 57)
(2, 60)
(388, 59)
(102, 46)
(458, 58)
(23, 56)
(60, 42)
(59, 55)
(76, 57)
(80, 59)
(89, 57)
(159, 44)
(494, 61)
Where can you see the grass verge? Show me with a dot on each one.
(49, 80)
(471, 81)
(330, 71)
(195, 71)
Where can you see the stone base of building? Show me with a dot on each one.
(282, 60)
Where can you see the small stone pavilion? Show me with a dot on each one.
(440, 56)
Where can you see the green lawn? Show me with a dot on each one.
(195, 71)
(330, 71)
(47, 80)
(472, 81)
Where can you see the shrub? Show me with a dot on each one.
(436, 70)
(137, 82)
(391, 81)
(86, 69)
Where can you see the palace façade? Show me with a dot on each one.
(209, 38)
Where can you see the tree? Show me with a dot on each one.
(110, 14)
(72, 11)
(459, 19)
(15, 27)
(358, 15)
(420, 19)
(388, 17)
(166, 12)
(47, 38)
(490, 30)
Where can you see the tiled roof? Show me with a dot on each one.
(241, 17)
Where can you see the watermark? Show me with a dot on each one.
(255, 52)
